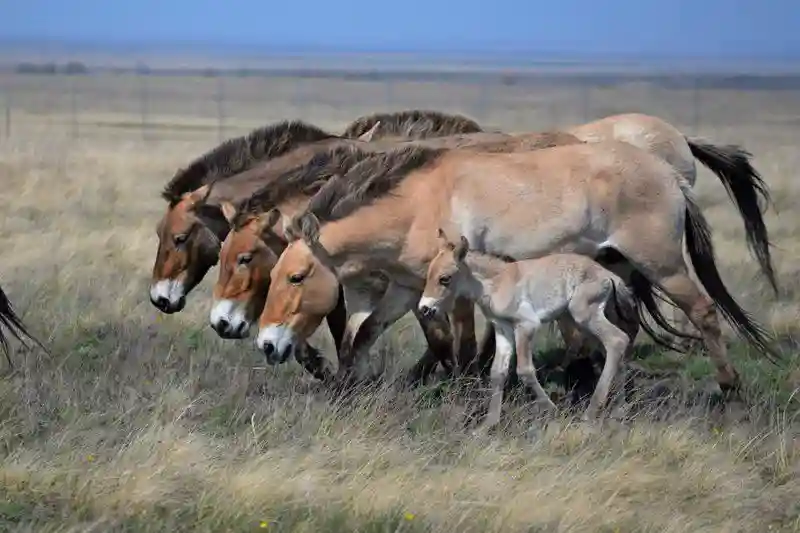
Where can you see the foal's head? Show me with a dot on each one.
(248, 254)
(189, 236)
(447, 277)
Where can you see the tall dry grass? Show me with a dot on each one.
(145, 422)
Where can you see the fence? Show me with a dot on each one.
(174, 106)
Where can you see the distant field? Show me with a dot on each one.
(145, 422)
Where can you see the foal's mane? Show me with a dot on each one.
(412, 124)
(240, 153)
(374, 175)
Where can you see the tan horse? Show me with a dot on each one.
(580, 198)
(518, 297)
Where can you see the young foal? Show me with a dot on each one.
(518, 297)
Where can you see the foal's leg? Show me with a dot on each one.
(587, 307)
(361, 301)
(337, 321)
(504, 338)
(526, 370)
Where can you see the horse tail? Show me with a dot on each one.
(9, 320)
(701, 253)
(745, 188)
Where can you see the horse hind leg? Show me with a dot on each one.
(587, 308)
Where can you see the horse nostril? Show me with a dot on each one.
(222, 325)
(426, 311)
(161, 302)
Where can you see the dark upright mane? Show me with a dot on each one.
(240, 153)
(374, 176)
(412, 124)
(306, 179)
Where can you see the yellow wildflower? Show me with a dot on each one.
(409, 516)
(263, 524)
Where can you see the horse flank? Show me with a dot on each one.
(240, 153)
(413, 124)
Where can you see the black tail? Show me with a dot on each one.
(10, 321)
(644, 292)
(745, 187)
(701, 252)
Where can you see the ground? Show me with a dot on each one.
(143, 422)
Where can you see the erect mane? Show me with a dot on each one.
(412, 124)
(241, 153)
(374, 176)
(305, 179)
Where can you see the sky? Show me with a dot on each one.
(640, 28)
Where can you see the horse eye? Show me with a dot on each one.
(444, 281)
(243, 259)
(180, 239)
(295, 279)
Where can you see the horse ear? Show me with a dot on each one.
(309, 227)
(229, 211)
(440, 234)
(370, 133)
(292, 230)
(267, 220)
(198, 195)
(461, 249)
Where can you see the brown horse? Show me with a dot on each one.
(581, 198)
(9, 320)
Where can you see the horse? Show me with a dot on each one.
(519, 297)
(585, 198)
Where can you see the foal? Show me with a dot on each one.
(519, 297)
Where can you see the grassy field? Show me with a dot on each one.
(145, 422)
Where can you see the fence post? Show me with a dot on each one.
(73, 107)
(220, 98)
(696, 104)
(8, 113)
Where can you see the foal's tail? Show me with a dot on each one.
(745, 188)
(701, 252)
(10, 320)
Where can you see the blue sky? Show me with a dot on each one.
(676, 28)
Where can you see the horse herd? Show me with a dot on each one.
(355, 228)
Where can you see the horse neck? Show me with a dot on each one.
(485, 272)
(363, 240)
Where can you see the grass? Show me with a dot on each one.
(144, 422)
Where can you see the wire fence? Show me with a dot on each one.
(161, 106)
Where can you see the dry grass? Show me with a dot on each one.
(141, 422)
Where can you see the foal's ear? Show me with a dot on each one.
(461, 249)
(442, 238)
(370, 133)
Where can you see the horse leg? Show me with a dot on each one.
(396, 301)
(462, 319)
(526, 370)
(440, 349)
(587, 308)
(504, 338)
(703, 314)
(337, 321)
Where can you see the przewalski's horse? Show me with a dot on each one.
(382, 215)
(257, 237)
(521, 296)
(9, 320)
